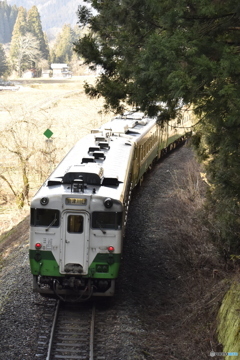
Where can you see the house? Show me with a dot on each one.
(30, 73)
(46, 73)
(60, 70)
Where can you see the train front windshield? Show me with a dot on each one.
(106, 220)
(45, 217)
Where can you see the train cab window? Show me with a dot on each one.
(45, 217)
(106, 220)
(75, 224)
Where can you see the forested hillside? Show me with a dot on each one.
(8, 15)
(54, 13)
(25, 46)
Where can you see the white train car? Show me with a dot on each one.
(79, 214)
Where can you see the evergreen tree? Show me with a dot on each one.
(8, 15)
(47, 46)
(12, 19)
(2, 29)
(6, 27)
(28, 28)
(176, 52)
(19, 30)
(4, 67)
(34, 26)
(63, 49)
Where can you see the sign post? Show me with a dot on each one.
(48, 133)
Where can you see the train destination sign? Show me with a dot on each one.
(76, 201)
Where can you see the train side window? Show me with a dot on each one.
(106, 220)
(135, 153)
(144, 150)
(75, 224)
(45, 217)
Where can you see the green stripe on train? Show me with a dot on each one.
(111, 261)
(44, 263)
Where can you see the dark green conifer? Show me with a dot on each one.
(2, 29)
(63, 48)
(34, 26)
(177, 52)
(8, 15)
(4, 66)
(20, 29)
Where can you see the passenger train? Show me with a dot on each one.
(79, 215)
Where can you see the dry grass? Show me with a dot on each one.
(196, 250)
(60, 105)
(191, 189)
(195, 260)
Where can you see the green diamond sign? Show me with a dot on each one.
(48, 133)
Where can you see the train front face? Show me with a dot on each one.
(75, 243)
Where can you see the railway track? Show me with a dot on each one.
(72, 333)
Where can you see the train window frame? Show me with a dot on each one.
(96, 223)
(44, 220)
(71, 228)
(135, 153)
(141, 152)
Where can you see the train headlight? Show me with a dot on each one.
(38, 246)
(110, 249)
(108, 203)
(44, 201)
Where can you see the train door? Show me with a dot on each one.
(74, 254)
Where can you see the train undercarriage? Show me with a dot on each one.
(73, 288)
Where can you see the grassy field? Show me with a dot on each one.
(40, 104)
(61, 104)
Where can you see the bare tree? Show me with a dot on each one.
(18, 139)
(28, 52)
(27, 157)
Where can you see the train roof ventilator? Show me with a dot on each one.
(78, 185)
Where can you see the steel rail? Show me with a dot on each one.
(52, 331)
(92, 334)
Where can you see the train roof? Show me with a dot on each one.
(100, 160)
(132, 124)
